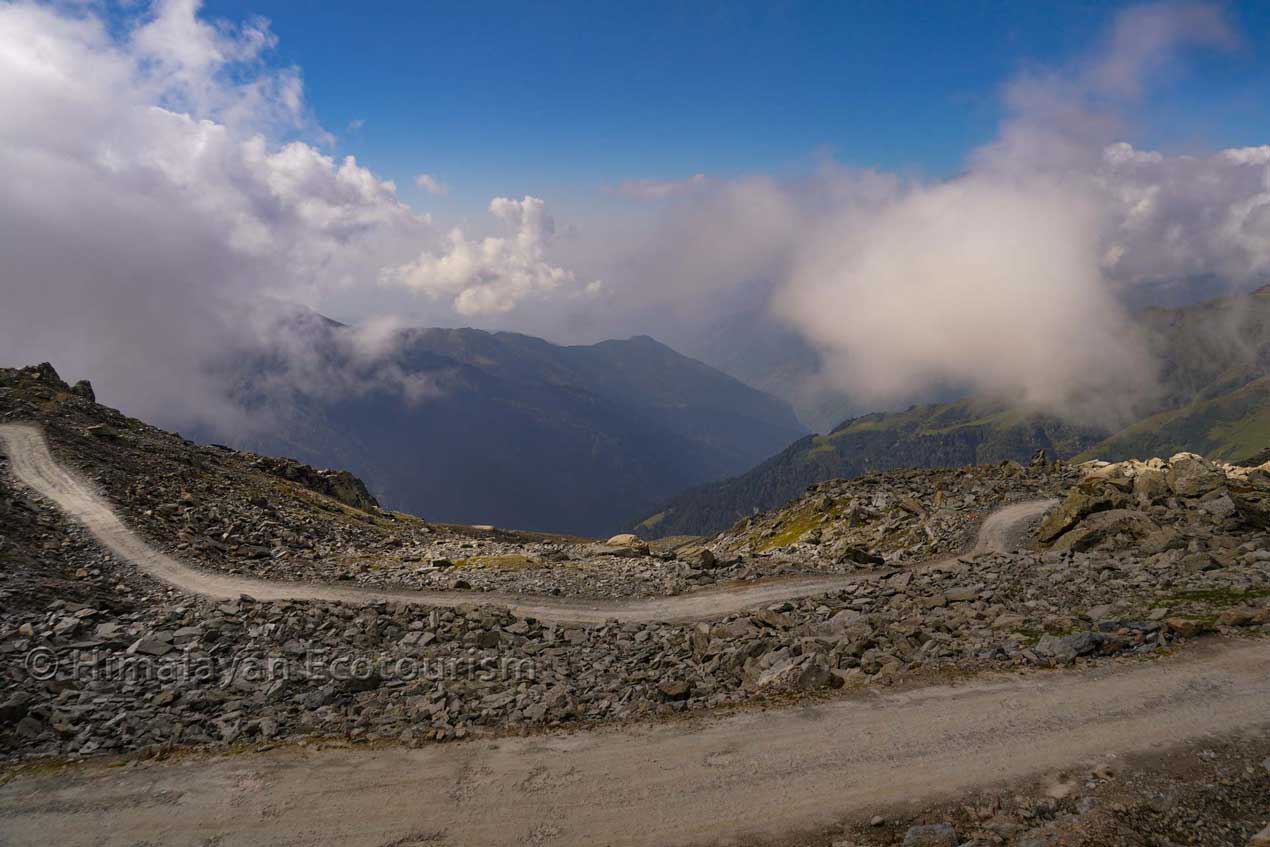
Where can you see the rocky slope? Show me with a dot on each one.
(244, 514)
(945, 436)
(1211, 794)
(95, 658)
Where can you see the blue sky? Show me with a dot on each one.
(560, 100)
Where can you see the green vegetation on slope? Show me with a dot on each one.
(968, 432)
(1234, 427)
(1212, 398)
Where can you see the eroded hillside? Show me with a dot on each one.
(1187, 559)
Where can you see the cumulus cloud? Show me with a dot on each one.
(432, 185)
(1187, 216)
(492, 275)
(169, 196)
(145, 209)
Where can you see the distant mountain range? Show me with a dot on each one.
(1215, 399)
(511, 430)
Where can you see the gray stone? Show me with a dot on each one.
(1190, 475)
(150, 645)
(931, 835)
(1198, 562)
(1101, 613)
(674, 689)
(1087, 498)
(1220, 507)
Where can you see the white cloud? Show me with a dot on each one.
(1009, 279)
(1145, 39)
(164, 182)
(492, 275)
(658, 189)
(432, 185)
(151, 215)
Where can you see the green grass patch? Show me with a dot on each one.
(795, 528)
(653, 521)
(1217, 597)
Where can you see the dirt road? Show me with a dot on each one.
(756, 774)
(34, 466)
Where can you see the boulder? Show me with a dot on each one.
(1220, 506)
(1165, 538)
(860, 556)
(1150, 485)
(1185, 627)
(150, 645)
(1101, 526)
(931, 835)
(625, 539)
(676, 689)
(1251, 497)
(1243, 616)
(84, 389)
(1092, 495)
(1190, 475)
(1067, 648)
(802, 673)
(1198, 563)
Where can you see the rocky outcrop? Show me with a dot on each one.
(338, 485)
(1136, 499)
(1094, 495)
(890, 517)
(45, 373)
(1250, 493)
(1099, 527)
(84, 389)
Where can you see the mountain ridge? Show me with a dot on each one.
(516, 431)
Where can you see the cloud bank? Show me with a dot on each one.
(1010, 279)
(167, 185)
